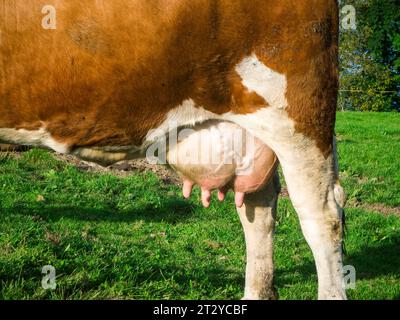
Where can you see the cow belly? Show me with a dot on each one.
(217, 155)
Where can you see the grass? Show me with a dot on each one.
(369, 151)
(135, 238)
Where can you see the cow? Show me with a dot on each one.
(104, 80)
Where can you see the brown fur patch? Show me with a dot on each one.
(112, 70)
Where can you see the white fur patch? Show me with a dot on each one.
(264, 81)
(187, 114)
(36, 138)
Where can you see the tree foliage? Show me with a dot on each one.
(370, 57)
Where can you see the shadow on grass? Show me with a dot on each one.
(171, 211)
(370, 262)
(379, 260)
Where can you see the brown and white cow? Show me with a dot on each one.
(108, 78)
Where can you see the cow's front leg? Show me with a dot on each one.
(258, 219)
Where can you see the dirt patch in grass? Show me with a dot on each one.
(380, 208)
(122, 169)
(12, 148)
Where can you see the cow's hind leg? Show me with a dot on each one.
(258, 219)
(318, 198)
